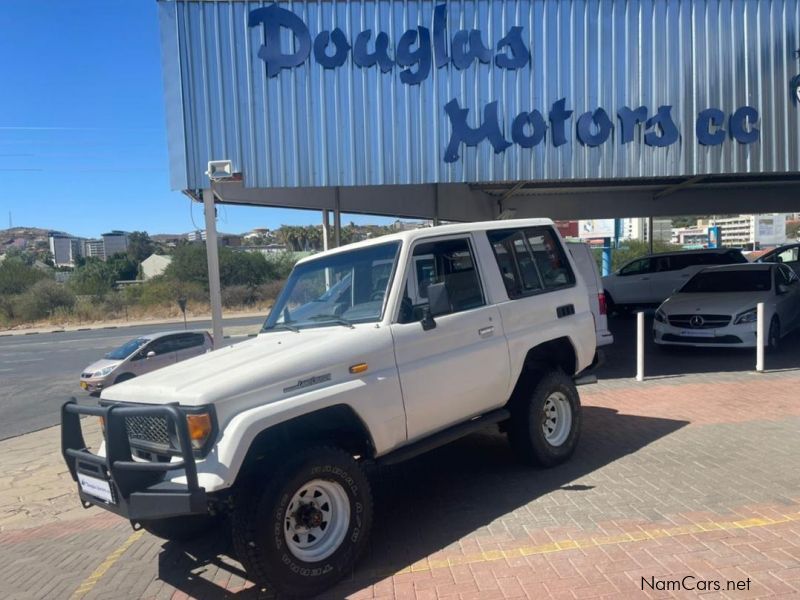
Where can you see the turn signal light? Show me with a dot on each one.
(200, 427)
(359, 368)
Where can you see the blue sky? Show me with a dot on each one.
(82, 131)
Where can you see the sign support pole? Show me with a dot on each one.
(606, 263)
(337, 221)
(212, 251)
(326, 223)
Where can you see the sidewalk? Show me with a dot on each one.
(692, 477)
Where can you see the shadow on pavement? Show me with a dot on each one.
(620, 357)
(433, 501)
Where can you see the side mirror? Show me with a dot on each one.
(150, 354)
(427, 319)
(782, 289)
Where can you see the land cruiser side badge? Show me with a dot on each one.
(304, 383)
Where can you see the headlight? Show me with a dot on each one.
(105, 371)
(748, 316)
(661, 316)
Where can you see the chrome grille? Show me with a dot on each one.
(152, 430)
(706, 321)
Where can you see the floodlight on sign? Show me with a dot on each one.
(219, 170)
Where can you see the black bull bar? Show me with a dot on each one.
(138, 488)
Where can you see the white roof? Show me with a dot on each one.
(426, 232)
(158, 258)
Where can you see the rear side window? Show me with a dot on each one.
(189, 340)
(531, 260)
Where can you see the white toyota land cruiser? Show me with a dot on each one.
(373, 353)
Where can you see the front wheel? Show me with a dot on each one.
(546, 421)
(774, 335)
(303, 529)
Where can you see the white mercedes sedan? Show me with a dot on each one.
(717, 307)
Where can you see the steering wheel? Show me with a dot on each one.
(376, 295)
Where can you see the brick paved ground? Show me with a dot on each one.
(692, 476)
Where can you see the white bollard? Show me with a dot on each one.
(640, 346)
(760, 337)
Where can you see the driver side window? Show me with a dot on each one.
(637, 267)
(448, 262)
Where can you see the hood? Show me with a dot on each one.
(263, 368)
(715, 304)
(101, 364)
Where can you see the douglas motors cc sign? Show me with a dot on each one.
(421, 50)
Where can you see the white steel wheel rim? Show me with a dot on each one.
(316, 520)
(556, 419)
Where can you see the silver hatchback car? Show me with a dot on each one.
(142, 355)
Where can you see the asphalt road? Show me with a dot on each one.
(39, 372)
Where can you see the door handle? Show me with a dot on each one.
(486, 331)
(645, 279)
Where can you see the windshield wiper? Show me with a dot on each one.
(283, 326)
(334, 319)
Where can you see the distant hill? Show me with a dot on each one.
(31, 234)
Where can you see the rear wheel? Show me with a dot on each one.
(183, 528)
(304, 528)
(546, 420)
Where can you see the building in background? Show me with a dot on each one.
(65, 249)
(567, 229)
(115, 242)
(223, 239)
(258, 232)
(750, 231)
(690, 237)
(196, 236)
(93, 249)
(155, 265)
(628, 229)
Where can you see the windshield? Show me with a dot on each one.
(127, 349)
(344, 288)
(729, 281)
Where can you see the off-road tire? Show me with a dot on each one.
(526, 433)
(258, 522)
(183, 528)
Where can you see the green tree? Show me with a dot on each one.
(43, 299)
(140, 246)
(124, 267)
(95, 278)
(16, 276)
(189, 264)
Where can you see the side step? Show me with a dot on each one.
(444, 437)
